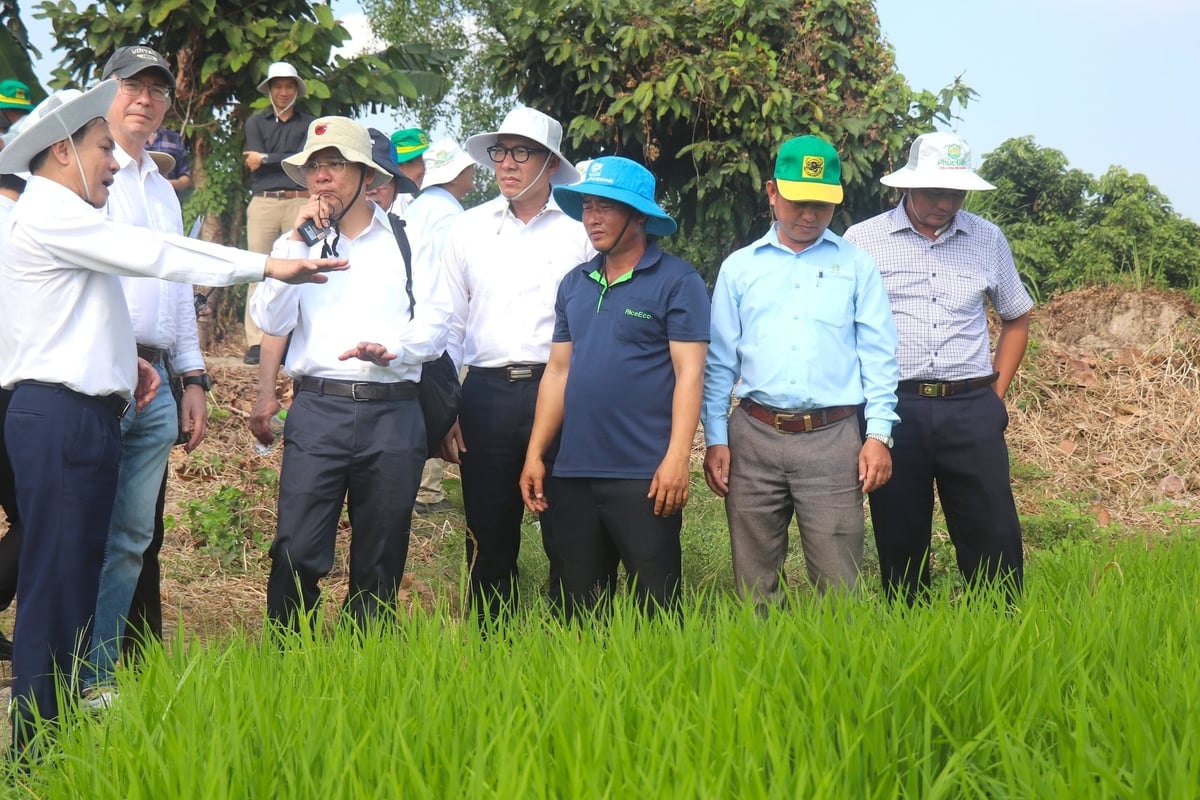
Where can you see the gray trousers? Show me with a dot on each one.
(812, 475)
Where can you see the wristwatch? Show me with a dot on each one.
(882, 437)
(203, 380)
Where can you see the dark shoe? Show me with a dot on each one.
(5, 648)
(252, 355)
(440, 507)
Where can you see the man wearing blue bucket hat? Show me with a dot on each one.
(642, 314)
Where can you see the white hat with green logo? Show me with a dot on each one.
(937, 160)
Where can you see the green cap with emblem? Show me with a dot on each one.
(808, 169)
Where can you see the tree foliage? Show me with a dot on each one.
(15, 49)
(704, 92)
(220, 52)
(1068, 228)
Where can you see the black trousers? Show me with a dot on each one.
(600, 522)
(496, 418)
(367, 454)
(65, 450)
(957, 443)
(10, 545)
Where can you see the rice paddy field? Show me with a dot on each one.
(1088, 689)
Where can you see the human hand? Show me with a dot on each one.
(874, 465)
(148, 382)
(265, 407)
(669, 486)
(716, 468)
(369, 351)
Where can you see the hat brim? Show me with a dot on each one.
(55, 125)
(570, 200)
(960, 179)
(164, 161)
(292, 165)
(15, 106)
(809, 191)
(478, 145)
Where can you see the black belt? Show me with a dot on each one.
(111, 402)
(281, 194)
(797, 421)
(512, 372)
(357, 390)
(945, 388)
(151, 354)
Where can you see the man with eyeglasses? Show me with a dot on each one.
(164, 324)
(271, 136)
(355, 431)
(504, 260)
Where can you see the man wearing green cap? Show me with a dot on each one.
(408, 146)
(634, 311)
(14, 103)
(802, 335)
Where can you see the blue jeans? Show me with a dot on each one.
(146, 440)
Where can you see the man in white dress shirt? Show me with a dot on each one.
(355, 430)
(449, 177)
(67, 351)
(504, 260)
(164, 324)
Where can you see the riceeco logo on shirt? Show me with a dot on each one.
(629, 312)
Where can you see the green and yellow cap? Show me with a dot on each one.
(408, 144)
(14, 94)
(808, 169)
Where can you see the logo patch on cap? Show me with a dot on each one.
(814, 168)
(320, 130)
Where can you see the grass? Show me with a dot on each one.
(1087, 690)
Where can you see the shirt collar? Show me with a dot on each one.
(124, 159)
(900, 221)
(651, 257)
(771, 239)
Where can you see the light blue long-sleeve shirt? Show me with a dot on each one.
(801, 331)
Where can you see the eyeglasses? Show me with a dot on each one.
(134, 88)
(498, 152)
(336, 168)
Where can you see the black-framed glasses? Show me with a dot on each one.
(134, 88)
(520, 154)
(336, 168)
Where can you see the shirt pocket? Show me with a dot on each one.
(833, 301)
(639, 320)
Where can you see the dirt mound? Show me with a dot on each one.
(1103, 318)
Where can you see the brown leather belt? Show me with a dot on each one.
(282, 194)
(512, 372)
(798, 421)
(945, 388)
(151, 354)
(357, 390)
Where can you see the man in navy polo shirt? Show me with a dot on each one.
(623, 383)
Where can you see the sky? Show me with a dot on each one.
(1107, 82)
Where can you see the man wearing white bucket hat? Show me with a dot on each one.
(59, 265)
(355, 430)
(619, 487)
(942, 266)
(271, 136)
(504, 260)
(449, 175)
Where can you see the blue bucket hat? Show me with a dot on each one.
(619, 179)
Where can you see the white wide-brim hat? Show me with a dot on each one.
(56, 118)
(282, 69)
(532, 124)
(444, 161)
(347, 137)
(937, 161)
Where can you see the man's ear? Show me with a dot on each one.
(60, 151)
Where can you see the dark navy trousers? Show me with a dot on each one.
(65, 450)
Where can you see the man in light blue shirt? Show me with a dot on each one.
(802, 335)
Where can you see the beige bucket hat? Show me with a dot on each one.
(348, 137)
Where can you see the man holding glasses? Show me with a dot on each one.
(504, 260)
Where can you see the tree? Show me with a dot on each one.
(220, 52)
(703, 92)
(15, 49)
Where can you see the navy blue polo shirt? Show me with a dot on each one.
(617, 408)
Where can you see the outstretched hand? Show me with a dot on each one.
(303, 270)
(369, 351)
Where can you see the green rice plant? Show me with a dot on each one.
(1086, 690)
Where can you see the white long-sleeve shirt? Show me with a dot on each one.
(503, 276)
(366, 303)
(63, 317)
(162, 312)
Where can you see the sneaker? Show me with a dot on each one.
(5, 648)
(440, 507)
(252, 355)
(98, 698)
